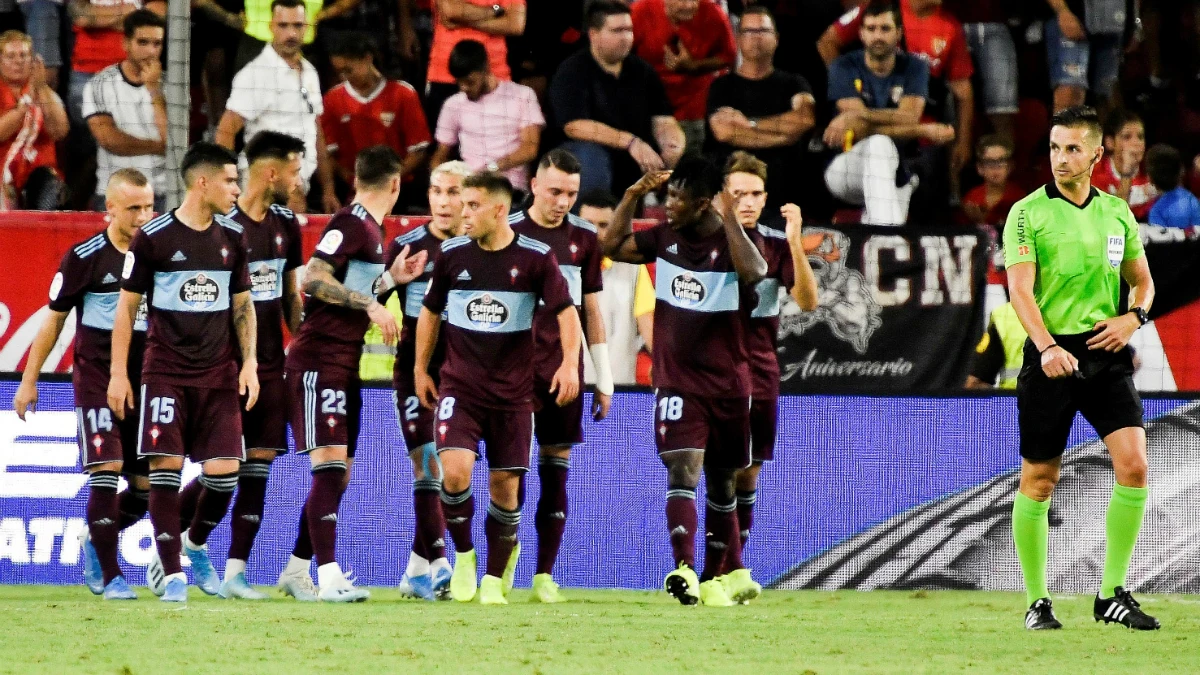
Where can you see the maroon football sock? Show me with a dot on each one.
(132, 504)
(303, 548)
(745, 514)
(551, 517)
(429, 541)
(189, 497)
(164, 516)
(500, 526)
(459, 509)
(212, 506)
(721, 550)
(681, 523)
(248, 507)
(324, 497)
(103, 515)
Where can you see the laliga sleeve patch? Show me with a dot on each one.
(56, 285)
(127, 270)
(330, 242)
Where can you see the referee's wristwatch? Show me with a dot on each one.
(1141, 315)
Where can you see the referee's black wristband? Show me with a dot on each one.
(1048, 347)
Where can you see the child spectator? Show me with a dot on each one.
(1120, 171)
(989, 203)
(1176, 207)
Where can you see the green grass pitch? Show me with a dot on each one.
(66, 630)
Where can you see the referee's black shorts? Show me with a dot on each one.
(1105, 395)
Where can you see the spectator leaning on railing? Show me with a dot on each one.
(126, 112)
(32, 119)
(496, 125)
(611, 106)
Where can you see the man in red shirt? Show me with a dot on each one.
(488, 21)
(937, 37)
(687, 42)
(368, 109)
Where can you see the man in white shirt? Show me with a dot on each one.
(279, 91)
(125, 110)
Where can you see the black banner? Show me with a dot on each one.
(1174, 258)
(901, 310)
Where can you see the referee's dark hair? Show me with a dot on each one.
(376, 166)
(492, 183)
(142, 18)
(697, 176)
(1079, 116)
(272, 145)
(1164, 166)
(204, 156)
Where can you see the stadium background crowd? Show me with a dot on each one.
(498, 83)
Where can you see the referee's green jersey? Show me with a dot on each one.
(1078, 251)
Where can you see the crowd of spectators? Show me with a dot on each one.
(882, 111)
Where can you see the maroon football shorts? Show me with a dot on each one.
(103, 438)
(506, 434)
(326, 408)
(720, 427)
(265, 425)
(764, 419)
(553, 425)
(195, 422)
(415, 420)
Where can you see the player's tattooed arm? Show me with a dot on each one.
(245, 323)
(120, 390)
(617, 241)
(320, 283)
(748, 261)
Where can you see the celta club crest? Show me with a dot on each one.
(574, 250)
(513, 274)
(846, 304)
(224, 255)
(279, 243)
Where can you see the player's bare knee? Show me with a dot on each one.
(504, 488)
(683, 468)
(747, 478)
(261, 455)
(221, 467)
(114, 467)
(1038, 479)
(166, 463)
(140, 483)
(329, 453)
(559, 451)
(456, 469)
(719, 484)
(1131, 470)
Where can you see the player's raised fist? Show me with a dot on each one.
(794, 222)
(649, 183)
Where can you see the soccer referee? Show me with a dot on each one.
(1067, 246)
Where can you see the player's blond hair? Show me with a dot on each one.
(744, 162)
(126, 176)
(456, 168)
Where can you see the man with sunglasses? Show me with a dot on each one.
(279, 91)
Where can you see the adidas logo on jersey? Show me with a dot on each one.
(178, 257)
(109, 279)
(464, 276)
(673, 248)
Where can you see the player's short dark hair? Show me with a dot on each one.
(562, 160)
(142, 18)
(698, 176)
(1164, 166)
(376, 166)
(491, 183)
(353, 45)
(272, 145)
(878, 7)
(993, 141)
(1078, 116)
(741, 161)
(288, 4)
(467, 57)
(760, 10)
(597, 13)
(1118, 118)
(598, 199)
(204, 156)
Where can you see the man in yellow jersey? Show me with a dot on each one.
(1067, 246)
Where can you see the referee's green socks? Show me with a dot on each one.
(1031, 535)
(1121, 527)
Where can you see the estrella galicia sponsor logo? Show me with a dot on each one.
(487, 312)
(687, 289)
(264, 279)
(200, 291)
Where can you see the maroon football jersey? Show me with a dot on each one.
(576, 246)
(331, 335)
(762, 310)
(191, 277)
(490, 298)
(411, 296)
(699, 334)
(88, 281)
(272, 250)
